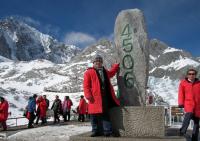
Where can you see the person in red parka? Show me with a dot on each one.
(82, 107)
(66, 106)
(3, 112)
(101, 96)
(42, 107)
(189, 99)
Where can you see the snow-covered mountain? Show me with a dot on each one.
(21, 42)
(170, 62)
(28, 65)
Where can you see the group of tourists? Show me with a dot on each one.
(58, 107)
(38, 106)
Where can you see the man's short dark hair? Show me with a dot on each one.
(35, 96)
(1, 98)
(195, 71)
(98, 58)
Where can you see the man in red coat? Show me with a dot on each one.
(100, 95)
(189, 99)
(3, 112)
(82, 107)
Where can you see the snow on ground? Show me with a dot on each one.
(50, 133)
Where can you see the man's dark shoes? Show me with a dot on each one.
(187, 136)
(5, 129)
(107, 135)
(31, 126)
(95, 134)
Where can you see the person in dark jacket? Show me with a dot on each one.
(47, 101)
(31, 110)
(57, 109)
(3, 112)
(189, 99)
(100, 95)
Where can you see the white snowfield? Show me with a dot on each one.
(50, 133)
(182, 62)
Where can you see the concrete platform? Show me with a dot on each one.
(86, 137)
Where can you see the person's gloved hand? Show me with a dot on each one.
(181, 106)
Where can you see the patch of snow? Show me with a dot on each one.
(169, 49)
(92, 54)
(182, 62)
(152, 57)
(153, 70)
(103, 48)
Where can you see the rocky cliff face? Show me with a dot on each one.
(19, 41)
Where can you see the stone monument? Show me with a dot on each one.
(132, 45)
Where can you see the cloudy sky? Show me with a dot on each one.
(82, 22)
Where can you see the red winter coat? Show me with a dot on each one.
(42, 107)
(92, 89)
(82, 107)
(67, 104)
(189, 96)
(4, 111)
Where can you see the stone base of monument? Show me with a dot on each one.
(137, 121)
(133, 123)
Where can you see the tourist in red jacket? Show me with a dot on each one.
(82, 109)
(3, 112)
(42, 107)
(189, 99)
(101, 96)
(66, 106)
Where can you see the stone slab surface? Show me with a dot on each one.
(135, 121)
(86, 137)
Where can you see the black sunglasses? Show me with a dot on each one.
(191, 74)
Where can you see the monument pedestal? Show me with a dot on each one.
(137, 121)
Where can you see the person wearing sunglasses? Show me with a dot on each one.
(189, 99)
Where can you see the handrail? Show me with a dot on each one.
(16, 118)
